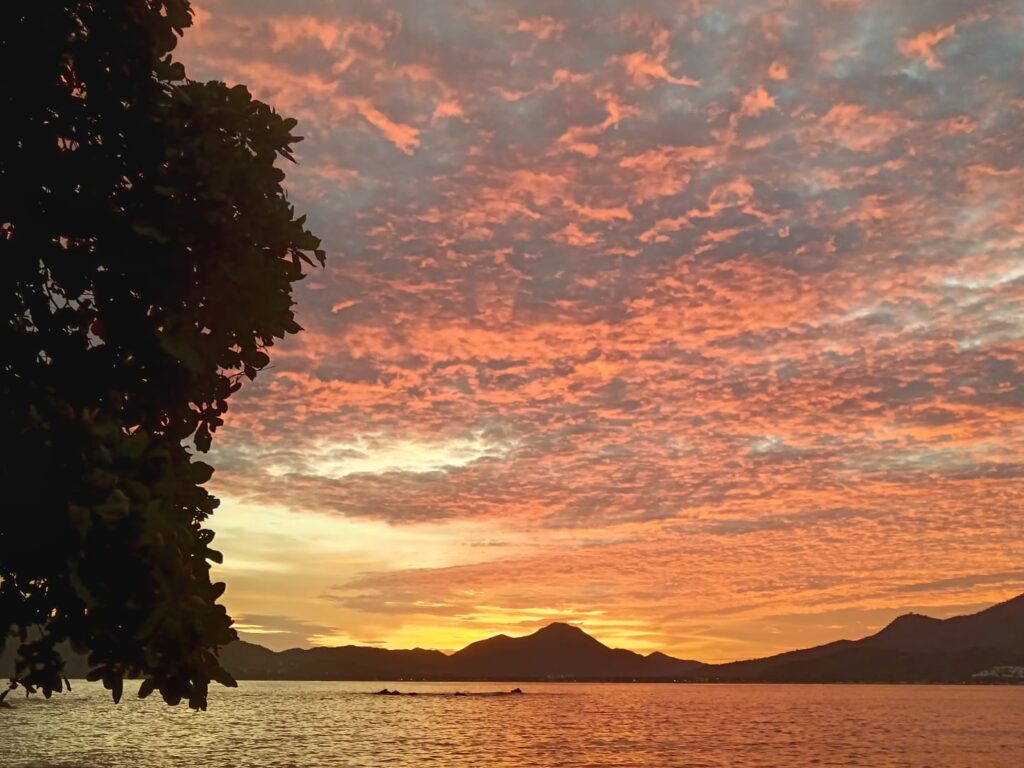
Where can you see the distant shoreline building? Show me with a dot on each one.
(1006, 674)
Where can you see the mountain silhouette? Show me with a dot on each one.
(556, 652)
(350, 662)
(912, 648)
(1000, 627)
(560, 651)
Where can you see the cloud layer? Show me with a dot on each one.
(710, 315)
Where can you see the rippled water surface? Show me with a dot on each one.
(309, 725)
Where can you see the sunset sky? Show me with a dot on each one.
(699, 324)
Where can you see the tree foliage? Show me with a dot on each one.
(149, 253)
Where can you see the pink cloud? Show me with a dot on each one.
(646, 67)
(923, 45)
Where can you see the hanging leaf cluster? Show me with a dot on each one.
(149, 254)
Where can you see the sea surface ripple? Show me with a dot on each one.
(344, 725)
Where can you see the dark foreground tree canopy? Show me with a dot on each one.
(149, 253)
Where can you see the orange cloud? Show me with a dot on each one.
(645, 67)
(541, 27)
(923, 45)
(572, 234)
(778, 71)
(861, 131)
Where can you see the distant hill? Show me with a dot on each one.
(247, 661)
(1000, 627)
(913, 648)
(556, 652)
(561, 651)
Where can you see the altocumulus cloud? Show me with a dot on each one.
(732, 292)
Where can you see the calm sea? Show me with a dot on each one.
(314, 725)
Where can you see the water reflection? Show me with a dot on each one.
(321, 725)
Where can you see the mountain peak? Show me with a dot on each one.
(998, 627)
(913, 619)
(560, 629)
(906, 626)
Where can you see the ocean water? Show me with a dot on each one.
(342, 724)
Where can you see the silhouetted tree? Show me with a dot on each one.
(149, 253)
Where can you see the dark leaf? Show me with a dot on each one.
(138, 297)
(200, 472)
